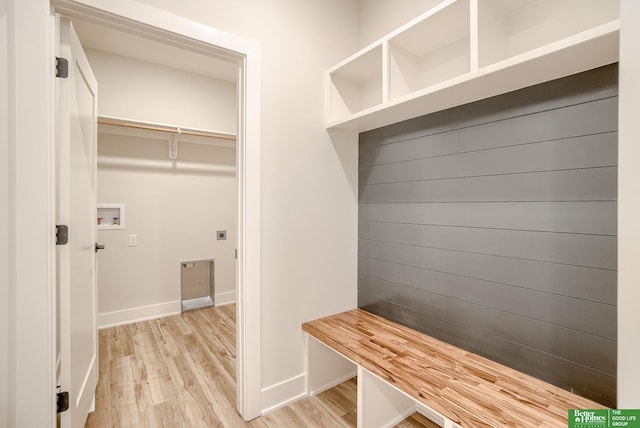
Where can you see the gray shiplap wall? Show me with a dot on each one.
(493, 226)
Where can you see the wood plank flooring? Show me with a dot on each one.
(179, 371)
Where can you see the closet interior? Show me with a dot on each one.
(166, 176)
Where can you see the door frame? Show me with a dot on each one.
(175, 30)
(38, 164)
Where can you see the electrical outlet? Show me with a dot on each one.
(133, 240)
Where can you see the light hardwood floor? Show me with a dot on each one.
(179, 371)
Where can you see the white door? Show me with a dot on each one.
(76, 122)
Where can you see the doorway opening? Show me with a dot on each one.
(177, 33)
(167, 159)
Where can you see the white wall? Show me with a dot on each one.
(629, 209)
(380, 17)
(309, 182)
(175, 210)
(4, 213)
(140, 90)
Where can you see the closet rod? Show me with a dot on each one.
(164, 128)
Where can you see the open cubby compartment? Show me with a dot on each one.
(507, 28)
(433, 50)
(356, 85)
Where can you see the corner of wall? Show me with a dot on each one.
(5, 225)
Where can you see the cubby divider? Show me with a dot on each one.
(431, 51)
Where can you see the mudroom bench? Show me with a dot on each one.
(401, 371)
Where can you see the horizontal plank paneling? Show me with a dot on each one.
(595, 285)
(598, 84)
(597, 251)
(495, 224)
(578, 314)
(580, 152)
(593, 184)
(570, 217)
(594, 118)
(582, 348)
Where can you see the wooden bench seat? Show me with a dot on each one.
(462, 387)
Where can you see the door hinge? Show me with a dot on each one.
(62, 68)
(62, 401)
(62, 234)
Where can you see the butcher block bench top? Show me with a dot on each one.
(470, 390)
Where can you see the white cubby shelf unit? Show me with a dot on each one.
(462, 51)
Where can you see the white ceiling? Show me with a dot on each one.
(93, 36)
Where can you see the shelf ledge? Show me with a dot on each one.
(136, 128)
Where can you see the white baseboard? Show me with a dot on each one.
(227, 298)
(283, 393)
(141, 313)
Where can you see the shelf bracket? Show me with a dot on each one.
(173, 146)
